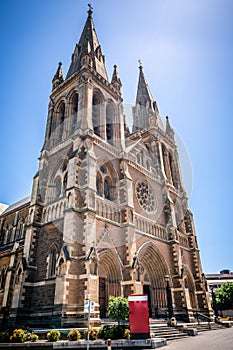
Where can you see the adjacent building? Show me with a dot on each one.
(216, 280)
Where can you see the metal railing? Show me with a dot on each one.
(201, 317)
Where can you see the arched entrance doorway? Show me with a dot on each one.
(154, 271)
(190, 291)
(109, 279)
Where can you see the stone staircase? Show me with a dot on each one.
(160, 329)
(205, 326)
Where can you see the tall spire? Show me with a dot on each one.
(88, 51)
(145, 113)
(144, 96)
(144, 107)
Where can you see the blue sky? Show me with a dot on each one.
(187, 54)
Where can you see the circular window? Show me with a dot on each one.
(145, 197)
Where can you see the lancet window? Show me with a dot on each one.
(61, 121)
(106, 183)
(52, 262)
(74, 111)
(109, 122)
(96, 114)
(2, 279)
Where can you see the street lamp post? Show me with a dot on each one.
(169, 298)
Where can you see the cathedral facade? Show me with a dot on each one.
(108, 213)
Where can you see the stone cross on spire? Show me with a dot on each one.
(90, 11)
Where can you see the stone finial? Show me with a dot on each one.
(58, 77)
(116, 81)
(169, 130)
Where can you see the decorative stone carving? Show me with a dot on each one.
(145, 196)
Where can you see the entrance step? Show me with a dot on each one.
(162, 330)
(205, 326)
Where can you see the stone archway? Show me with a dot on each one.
(154, 269)
(110, 277)
(190, 291)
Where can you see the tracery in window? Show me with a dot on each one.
(103, 169)
(20, 230)
(106, 179)
(145, 196)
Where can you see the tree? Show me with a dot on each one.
(118, 308)
(224, 296)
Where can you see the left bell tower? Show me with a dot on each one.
(85, 109)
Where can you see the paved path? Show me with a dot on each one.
(221, 339)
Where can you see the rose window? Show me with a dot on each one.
(145, 197)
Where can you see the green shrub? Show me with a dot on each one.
(113, 332)
(73, 335)
(93, 334)
(34, 337)
(18, 336)
(53, 335)
(27, 336)
(4, 337)
(105, 332)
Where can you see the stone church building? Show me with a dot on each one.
(108, 213)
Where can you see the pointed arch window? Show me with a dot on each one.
(20, 232)
(61, 267)
(2, 279)
(96, 113)
(58, 187)
(107, 188)
(109, 122)
(9, 234)
(106, 182)
(74, 111)
(61, 120)
(52, 262)
(5, 237)
(99, 184)
(173, 171)
(2, 237)
(166, 163)
(18, 277)
(52, 125)
(64, 184)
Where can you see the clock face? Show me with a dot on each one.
(145, 197)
